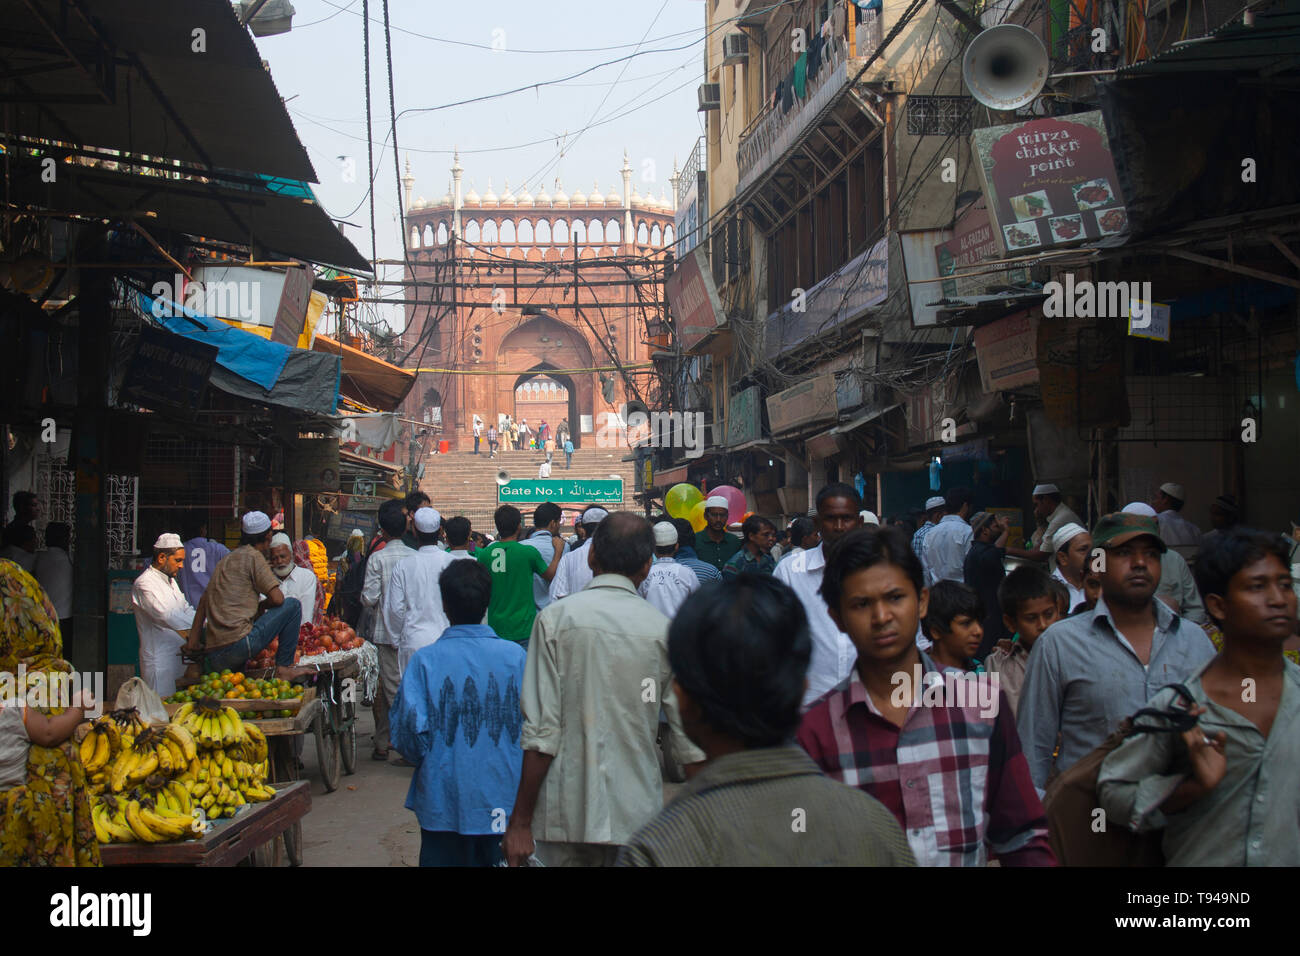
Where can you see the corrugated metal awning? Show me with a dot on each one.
(1269, 47)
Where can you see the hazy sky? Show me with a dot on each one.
(445, 51)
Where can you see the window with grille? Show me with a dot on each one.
(938, 115)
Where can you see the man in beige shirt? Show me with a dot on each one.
(239, 623)
(596, 676)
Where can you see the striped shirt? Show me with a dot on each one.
(954, 778)
(703, 570)
(768, 807)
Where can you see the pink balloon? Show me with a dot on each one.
(735, 501)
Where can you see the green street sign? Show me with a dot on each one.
(533, 491)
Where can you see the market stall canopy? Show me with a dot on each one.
(1270, 47)
(279, 217)
(252, 367)
(174, 80)
(371, 381)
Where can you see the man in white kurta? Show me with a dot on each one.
(574, 571)
(412, 607)
(295, 582)
(160, 612)
(668, 584)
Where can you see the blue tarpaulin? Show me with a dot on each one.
(247, 355)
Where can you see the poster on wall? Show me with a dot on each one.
(1050, 182)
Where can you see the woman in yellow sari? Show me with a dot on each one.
(47, 821)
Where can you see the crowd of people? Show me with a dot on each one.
(873, 697)
(511, 435)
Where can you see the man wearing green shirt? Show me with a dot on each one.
(714, 545)
(512, 565)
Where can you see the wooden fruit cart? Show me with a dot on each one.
(246, 835)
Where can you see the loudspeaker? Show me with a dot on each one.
(1005, 67)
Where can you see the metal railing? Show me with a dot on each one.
(772, 124)
(695, 164)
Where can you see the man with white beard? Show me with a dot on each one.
(295, 582)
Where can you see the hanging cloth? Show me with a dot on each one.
(801, 75)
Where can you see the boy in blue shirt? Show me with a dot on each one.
(457, 719)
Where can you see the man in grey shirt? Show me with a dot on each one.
(546, 522)
(1177, 588)
(1089, 672)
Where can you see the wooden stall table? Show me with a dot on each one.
(281, 733)
(227, 842)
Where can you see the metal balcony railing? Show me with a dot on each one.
(694, 166)
(772, 129)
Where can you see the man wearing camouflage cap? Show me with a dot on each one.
(1089, 672)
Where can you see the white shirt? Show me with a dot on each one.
(946, 548)
(379, 574)
(541, 541)
(544, 470)
(833, 654)
(301, 584)
(1076, 594)
(667, 585)
(573, 572)
(160, 611)
(1176, 531)
(413, 604)
(24, 559)
(53, 571)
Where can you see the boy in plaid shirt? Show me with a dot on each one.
(950, 770)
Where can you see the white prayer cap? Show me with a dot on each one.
(665, 534)
(255, 522)
(717, 501)
(167, 541)
(937, 501)
(595, 516)
(1139, 508)
(281, 540)
(1065, 533)
(357, 533)
(427, 520)
(1045, 490)
(869, 518)
(1174, 490)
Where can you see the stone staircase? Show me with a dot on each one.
(462, 483)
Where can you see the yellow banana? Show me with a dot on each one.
(101, 831)
(144, 766)
(195, 767)
(116, 825)
(183, 739)
(227, 729)
(126, 760)
(227, 768)
(199, 790)
(181, 797)
(168, 828)
(103, 752)
(108, 727)
(179, 760)
(138, 826)
(86, 749)
(186, 709)
(207, 802)
(236, 725)
(215, 813)
(163, 758)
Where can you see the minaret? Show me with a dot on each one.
(627, 199)
(409, 182)
(456, 172)
(674, 181)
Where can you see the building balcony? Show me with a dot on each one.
(774, 130)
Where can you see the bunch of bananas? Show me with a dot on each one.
(157, 812)
(211, 724)
(104, 742)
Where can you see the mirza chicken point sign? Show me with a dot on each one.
(1050, 182)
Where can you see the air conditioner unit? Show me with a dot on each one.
(735, 49)
(710, 96)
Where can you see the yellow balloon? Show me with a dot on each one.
(697, 519)
(680, 499)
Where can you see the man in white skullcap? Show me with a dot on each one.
(412, 608)
(933, 511)
(1073, 546)
(869, 517)
(161, 613)
(1052, 514)
(714, 545)
(574, 572)
(1176, 530)
(233, 621)
(668, 584)
(1177, 586)
(296, 582)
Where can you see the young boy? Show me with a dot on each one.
(1030, 603)
(1091, 591)
(953, 624)
(1062, 592)
(951, 771)
(1227, 791)
(466, 772)
(512, 565)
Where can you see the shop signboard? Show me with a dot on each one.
(973, 241)
(1050, 182)
(744, 417)
(811, 401)
(692, 299)
(856, 286)
(169, 370)
(1007, 351)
